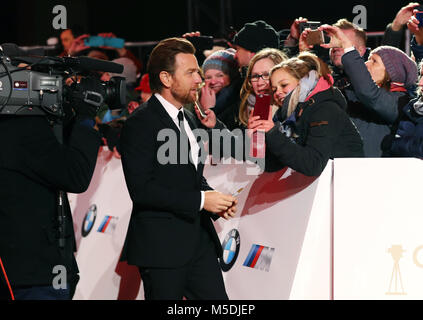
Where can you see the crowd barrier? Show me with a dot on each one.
(351, 233)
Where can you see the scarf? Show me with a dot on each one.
(418, 106)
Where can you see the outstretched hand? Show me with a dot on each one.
(338, 39)
(404, 15)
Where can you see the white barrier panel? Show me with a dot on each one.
(283, 223)
(378, 238)
(101, 217)
(278, 247)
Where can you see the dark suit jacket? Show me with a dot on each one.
(33, 167)
(166, 221)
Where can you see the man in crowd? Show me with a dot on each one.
(253, 37)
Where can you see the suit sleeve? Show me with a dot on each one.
(139, 158)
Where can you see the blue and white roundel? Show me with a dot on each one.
(230, 248)
(89, 220)
(229, 251)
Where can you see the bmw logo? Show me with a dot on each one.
(89, 220)
(230, 248)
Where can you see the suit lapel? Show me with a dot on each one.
(168, 122)
(163, 115)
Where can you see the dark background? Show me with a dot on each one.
(29, 23)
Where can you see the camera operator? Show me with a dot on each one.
(34, 168)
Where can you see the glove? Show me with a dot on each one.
(83, 109)
(110, 134)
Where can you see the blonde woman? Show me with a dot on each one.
(257, 80)
(311, 126)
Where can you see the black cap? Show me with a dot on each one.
(257, 35)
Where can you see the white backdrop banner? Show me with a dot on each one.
(278, 246)
(378, 220)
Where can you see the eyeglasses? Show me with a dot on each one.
(256, 77)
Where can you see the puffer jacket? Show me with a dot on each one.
(318, 130)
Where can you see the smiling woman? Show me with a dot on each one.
(257, 80)
(221, 86)
(310, 127)
(379, 88)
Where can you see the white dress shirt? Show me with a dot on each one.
(173, 111)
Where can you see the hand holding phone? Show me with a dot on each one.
(100, 41)
(419, 17)
(315, 37)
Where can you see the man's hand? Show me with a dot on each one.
(295, 28)
(217, 202)
(230, 213)
(191, 34)
(302, 42)
(338, 39)
(403, 16)
(415, 28)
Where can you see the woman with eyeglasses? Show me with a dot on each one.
(311, 125)
(257, 80)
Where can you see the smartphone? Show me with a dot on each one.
(419, 16)
(262, 106)
(313, 25)
(201, 42)
(201, 110)
(94, 41)
(114, 42)
(98, 41)
(315, 37)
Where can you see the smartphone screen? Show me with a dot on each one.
(315, 37)
(419, 16)
(262, 106)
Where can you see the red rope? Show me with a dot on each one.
(7, 280)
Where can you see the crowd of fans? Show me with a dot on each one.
(335, 99)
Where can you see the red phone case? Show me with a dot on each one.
(257, 143)
(262, 106)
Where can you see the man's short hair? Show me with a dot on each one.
(360, 34)
(162, 58)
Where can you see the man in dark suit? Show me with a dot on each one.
(34, 166)
(171, 237)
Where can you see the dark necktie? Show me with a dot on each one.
(184, 138)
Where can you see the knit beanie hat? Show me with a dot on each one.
(223, 60)
(256, 36)
(400, 67)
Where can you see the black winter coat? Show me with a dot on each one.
(33, 167)
(323, 129)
